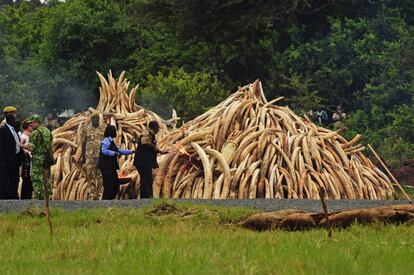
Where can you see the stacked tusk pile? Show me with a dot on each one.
(250, 148)
(118, 105)
(245, 147)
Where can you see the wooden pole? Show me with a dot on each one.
(322, 193)
(45, 187)
(389, 172)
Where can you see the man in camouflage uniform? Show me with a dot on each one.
(40, 144)
(91, 139)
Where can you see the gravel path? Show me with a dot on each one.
(262, 204)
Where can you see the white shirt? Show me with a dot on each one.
(16, 138)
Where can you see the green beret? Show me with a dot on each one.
(34, 118)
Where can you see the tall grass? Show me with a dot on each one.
(192, 240)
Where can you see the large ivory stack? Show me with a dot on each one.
(251, 148)
(245, 147)
(118, 104)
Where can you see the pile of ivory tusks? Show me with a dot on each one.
(248, 148)
(252, 148)
(116, 106)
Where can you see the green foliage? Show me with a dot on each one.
(398, 144)
(395, 140)
(190, 94)
(80, 37)
(160, 51)
(21, 98)
(19, 39)
(185, 54)
(302, 96)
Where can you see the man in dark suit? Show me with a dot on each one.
(10, 159)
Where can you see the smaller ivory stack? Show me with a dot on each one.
(118, 105)
(250, 148)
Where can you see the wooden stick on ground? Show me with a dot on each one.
(325, 210)
(389, 172)
(45, 187)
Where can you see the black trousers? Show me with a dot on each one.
(27, 185)
(110, 184)
(145, 172)
(3, 184)
(27, 188)
(9, 183)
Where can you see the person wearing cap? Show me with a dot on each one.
(10, 159)
(40, 145)
(8, 110)
(92, 134)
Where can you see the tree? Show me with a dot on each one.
(78, 39)
(19, 38)
(190, 94)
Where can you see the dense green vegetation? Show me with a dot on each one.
(190, 54)
(192, 240)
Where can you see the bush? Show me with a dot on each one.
(190, 94)
(390, 132)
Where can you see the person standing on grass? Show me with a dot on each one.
(91, 137)
(10, 159)
(146, 158)
(27, 187)
(40, 145)
(108, 163)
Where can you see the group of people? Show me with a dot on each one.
(100, 153)
(145, 160)
(321, 117)
(27, 154)
(27, 151)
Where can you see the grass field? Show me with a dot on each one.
(192, 240)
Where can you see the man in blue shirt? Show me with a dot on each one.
(108, 163)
